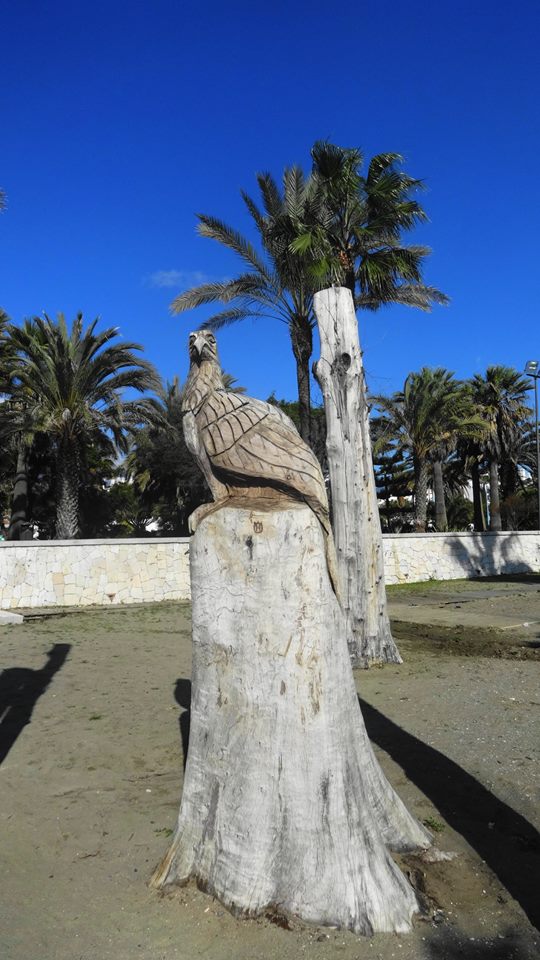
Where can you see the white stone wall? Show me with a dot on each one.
(69, 573)
(412, 557)
(83, 572)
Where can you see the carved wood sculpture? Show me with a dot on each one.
(284, 808)
(247, 448)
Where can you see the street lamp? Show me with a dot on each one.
(532, 369)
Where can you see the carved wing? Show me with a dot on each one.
(255, 441)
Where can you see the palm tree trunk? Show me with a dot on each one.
(302, 344)
(420, 494)
(20, 495)
(67, 504)
(494, 497)
(478, 505)
(441, 521)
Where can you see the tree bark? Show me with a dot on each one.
(478, 506)
(284, 806)
(494, 497)
(302, 344)
(420, 494)
(18, 522)
(441, 520)
(355, 511)
(67, 504)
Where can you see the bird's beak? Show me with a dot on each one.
(199, 345)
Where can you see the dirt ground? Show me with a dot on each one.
(95, 715)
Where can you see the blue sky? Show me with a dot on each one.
(121, 120)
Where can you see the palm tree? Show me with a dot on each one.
(429, 413)
(354, 236)
(275, 283)
(14, 428)
(499, 397)
(72, 381)
(6, 354)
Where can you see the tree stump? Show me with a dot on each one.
(284, 807)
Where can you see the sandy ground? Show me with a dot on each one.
(91, 742)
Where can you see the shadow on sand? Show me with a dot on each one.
(450, 944)
(182, 695)
(504, 839)
(20, 689)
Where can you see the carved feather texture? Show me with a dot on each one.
(250, 440)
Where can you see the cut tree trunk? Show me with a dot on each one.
(441, 520)
(355, 511)
(420, 494)
(494, 496)
(67, 506)
(284, 807)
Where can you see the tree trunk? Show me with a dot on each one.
(478, 505)
(18, 522)
(284, 806)
(509, 479)
(67, 504)
(441, 520)
(302, 344)
(494, 498)
(355, 511)
(420, 494)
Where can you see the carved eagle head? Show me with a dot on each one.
(202, 346)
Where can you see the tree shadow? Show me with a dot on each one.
(182, 695)
(511, 578)
(449, 944)
(20, 689)
(504, 839)
(492, 556)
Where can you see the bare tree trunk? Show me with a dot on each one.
(494, 497)
(284, 806)
(420, 494)
(441, 520)
(67, 504)
(356, 522)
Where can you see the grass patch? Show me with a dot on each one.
(419, 587)
(436, 826)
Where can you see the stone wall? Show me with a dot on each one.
(84, 572)
(69, 573)
(412, 557)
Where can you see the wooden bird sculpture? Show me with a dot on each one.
(245, 447)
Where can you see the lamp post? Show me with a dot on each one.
(532, 369)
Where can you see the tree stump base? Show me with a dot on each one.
(284, 804)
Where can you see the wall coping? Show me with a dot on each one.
(129, 541)
(116, 541)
